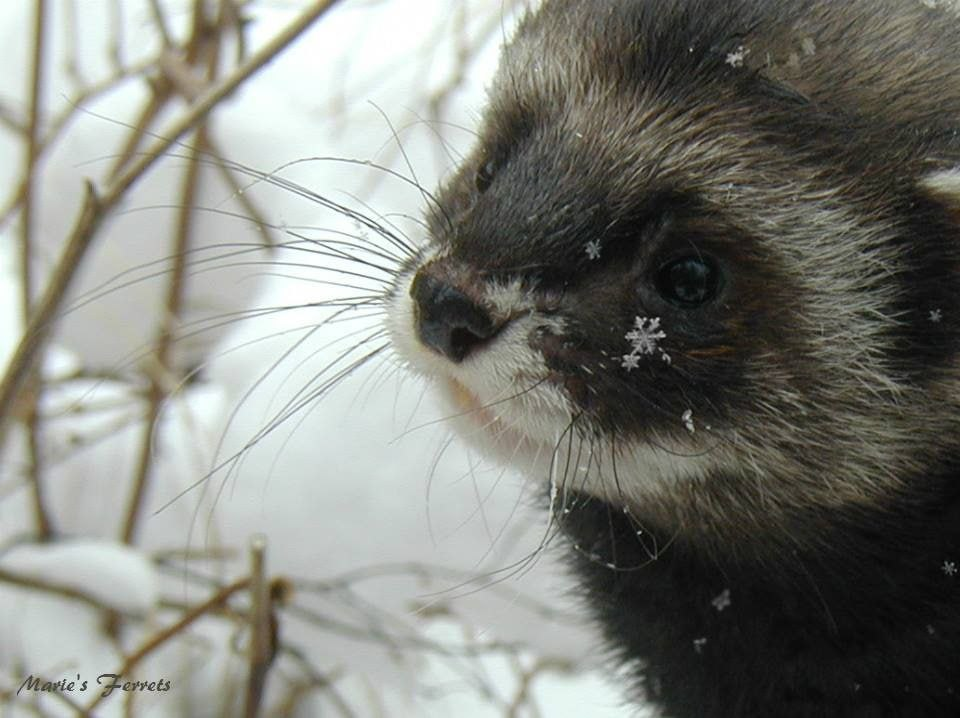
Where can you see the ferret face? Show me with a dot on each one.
(691, 262)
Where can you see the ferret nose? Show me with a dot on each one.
(447, 320)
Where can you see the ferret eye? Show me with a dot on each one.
(485, 175)
(689, 281)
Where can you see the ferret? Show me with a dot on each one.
(700, 277)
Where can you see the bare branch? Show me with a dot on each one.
(160, 365)
(262, 649)
(161, 637)
(63, 591)
(95, 207)
(34, 381)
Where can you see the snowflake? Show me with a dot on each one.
(722, 601)
(949, 568)
(698, 644)
(593, 249)
(630, 361)
(936, 316)
(645, 335)
(361, 230)
(809, 46)
(687, 420)
(735, 58)
(644, 340)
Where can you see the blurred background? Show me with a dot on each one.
(215, 478)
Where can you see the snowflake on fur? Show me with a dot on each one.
(644, 340)
(645, 335)
(722, 601)
(736, 58)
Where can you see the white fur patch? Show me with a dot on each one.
(499, 399)
(944, 184)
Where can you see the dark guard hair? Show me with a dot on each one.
(707, 253)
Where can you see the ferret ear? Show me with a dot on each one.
(944, 186)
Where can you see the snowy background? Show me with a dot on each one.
(402, 574)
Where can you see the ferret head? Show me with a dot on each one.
(704, 262)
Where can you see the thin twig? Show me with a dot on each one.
(261, 635)
(200, 49)
(163, 88)
(249, 207)
(71, 64)
(10, 119)
(314, 680)
(59, 122)
(161, 360)
(161, 91)
(116, 33)
(94, 209)
(523, 696)
(30, 399)
(56, 589)
(160, 20)
(158, 639)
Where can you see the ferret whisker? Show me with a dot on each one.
(330, 249)
(454, 156)
(275, 180)
(473, 410)
(371, 248)
(428, 488)
(493, 540)
(300, 279)
(378, 379)
(105, 289)
(478, 507)
(304, 415)
(309, 393)
(344, 312)
(552, 528)
(298, 265)
(364, 243)
(415, 181)
(407, 428)
(274, 424)
(310, 356)
(248, 393)
(387, 219)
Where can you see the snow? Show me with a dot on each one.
(119, 576)
(736, 58)
(384, 526)
(644, 340)
(722, 601)
(646, 335)
(593, 249)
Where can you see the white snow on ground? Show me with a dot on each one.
(119, 576)
(364, 484)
